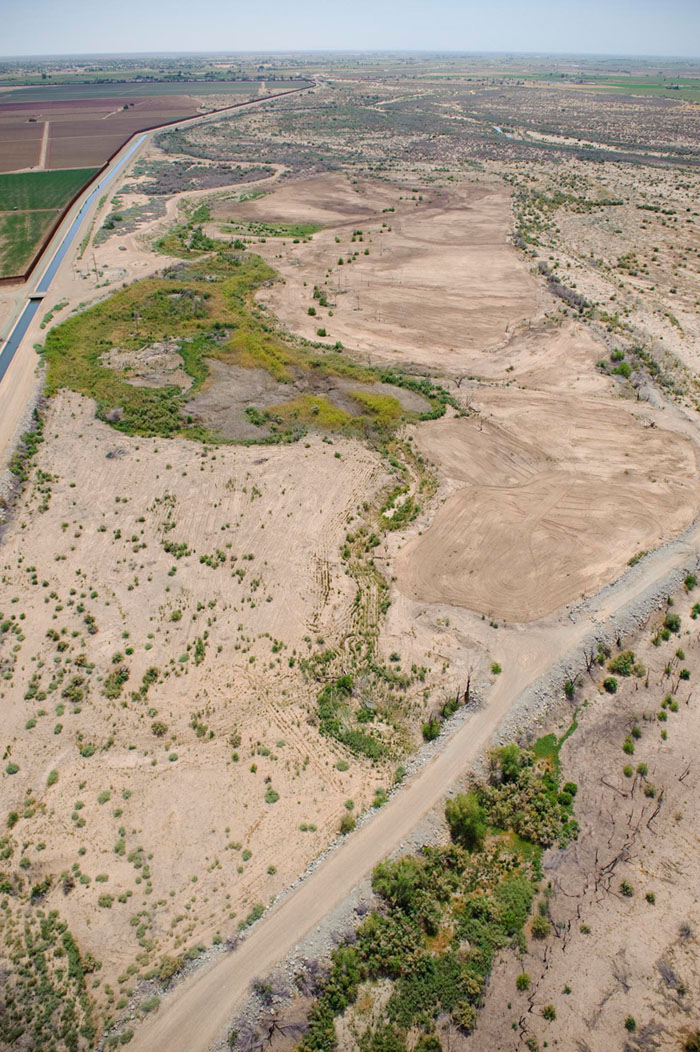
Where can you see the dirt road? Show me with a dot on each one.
(195, 1016)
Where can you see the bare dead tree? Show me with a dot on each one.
(620, 972)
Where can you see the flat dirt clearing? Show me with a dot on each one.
(552, 496)
(438, 284)
(559, 481)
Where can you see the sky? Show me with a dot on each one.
(620, 27)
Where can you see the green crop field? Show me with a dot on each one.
(20, 232)
(23, 191)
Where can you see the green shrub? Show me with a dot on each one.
(523, 981)
(347, 824)
(400, 883)
(540, 927)
(464, 1016)
(466, 820)
(52, 778)
(623, 664)
(610, 685)
(431, 729)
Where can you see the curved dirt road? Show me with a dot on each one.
(196, 1014)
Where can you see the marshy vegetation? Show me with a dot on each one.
(206, 306)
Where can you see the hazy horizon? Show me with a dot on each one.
(632, 28)
(319, 51)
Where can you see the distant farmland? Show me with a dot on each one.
(76, 125)
(54, 137)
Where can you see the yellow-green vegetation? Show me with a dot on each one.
(447, 911)
(385, 409)
(311, 410)
(206, 305)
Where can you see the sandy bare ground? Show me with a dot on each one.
(433, 280)
(95, 530)
(551, 498)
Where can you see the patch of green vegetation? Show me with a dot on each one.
(336, 720)
(187, 240)
(446, 912)
(549, 747)
(193, 304)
